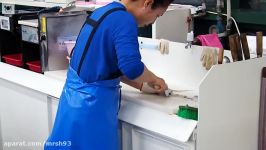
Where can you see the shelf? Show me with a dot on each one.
(249, 16)
(246, 16)
(31, 23)
(32, 3)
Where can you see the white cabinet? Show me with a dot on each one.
(126, 132)
(144, 140)
(135, 138)
(1, 139)
(24, 120)
(27, 117)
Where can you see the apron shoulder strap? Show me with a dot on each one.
(95, 24)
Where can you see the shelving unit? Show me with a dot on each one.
(32, 3)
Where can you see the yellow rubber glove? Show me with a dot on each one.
(208, 57)
(164, 46)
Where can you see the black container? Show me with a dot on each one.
(10, 33)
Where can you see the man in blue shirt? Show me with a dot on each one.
(106, 52)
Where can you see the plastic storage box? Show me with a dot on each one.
(188, 112)
(14, 59)
(35, 66)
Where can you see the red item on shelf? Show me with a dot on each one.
(35, 66)
(14, 59)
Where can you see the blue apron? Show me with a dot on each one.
(87, 113)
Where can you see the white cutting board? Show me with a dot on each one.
(168, 105)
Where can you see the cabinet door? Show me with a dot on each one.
(52, 109)
(24, 119)
(1, 139)
(126, 136)
(145, 140)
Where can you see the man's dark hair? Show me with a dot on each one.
(161, 3)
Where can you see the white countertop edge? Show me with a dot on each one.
(32, 80)
(158, 122)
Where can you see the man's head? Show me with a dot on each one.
(146, 11)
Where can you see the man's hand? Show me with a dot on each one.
(146, 88)
(158, 86)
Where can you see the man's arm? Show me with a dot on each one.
(158, 84)
(132, 83)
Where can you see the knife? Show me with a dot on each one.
(169, 92)
(179, 93)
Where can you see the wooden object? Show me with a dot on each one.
(233, 47)
(244, 42)
(220, 55)
(259, 37)
(239, 48)
(262, 115)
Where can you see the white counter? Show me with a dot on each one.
(28, 104)
(137, 109)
